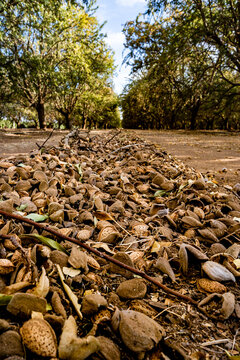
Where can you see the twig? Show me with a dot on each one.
(126, 147)
(116, 134)
(229, 235)
(101, 255)
(215, 342)
(41, 146)
(234, 339)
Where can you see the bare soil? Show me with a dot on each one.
(215, 152)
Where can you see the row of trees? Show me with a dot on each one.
(185, 56)
(55, 67)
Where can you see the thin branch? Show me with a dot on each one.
(41, 146)
(108, 141)
(101, 255)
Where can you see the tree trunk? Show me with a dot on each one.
(171, 124)
(194, 113)
(67, 120)
(84, 122)
(41, 115)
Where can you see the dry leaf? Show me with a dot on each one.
(69, 292)
(102, 215)
(69, 271)
(42, 287)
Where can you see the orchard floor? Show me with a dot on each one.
(217, 152)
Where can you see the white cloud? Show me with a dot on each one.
(121, 79)
(115, 40)
(130, 2)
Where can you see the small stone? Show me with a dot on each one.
(92, 303)
(132, 289)
(23, 304)
(78, 259)
(10, 344)
(108, 349)
(124, 258)
(59, 257)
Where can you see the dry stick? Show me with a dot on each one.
(102, 255)
(126, 147)
(41, 146)
(116, 134)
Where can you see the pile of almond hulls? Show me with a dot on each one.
(128, 199)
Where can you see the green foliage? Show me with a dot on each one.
(185, 76)
(51, 53)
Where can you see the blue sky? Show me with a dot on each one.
(117, 13)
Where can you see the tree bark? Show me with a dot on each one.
(67, 121)
(41, 115)
(194, 113)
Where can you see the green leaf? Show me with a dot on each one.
(5, 299)
(232, 357)
(49, 307)
(22, 207)
(160, 193)
(46, 241)
(37, 217)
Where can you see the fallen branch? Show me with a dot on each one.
(127, 147)
(109, 140)
(101, 255)
(41, 146)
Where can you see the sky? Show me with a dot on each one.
(117, 13)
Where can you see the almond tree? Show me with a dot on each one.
(48, 50)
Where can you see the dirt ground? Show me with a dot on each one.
(217, 152)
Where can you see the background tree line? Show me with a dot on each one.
(55, 67)
(185, 58)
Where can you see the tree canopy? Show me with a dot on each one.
(51, 53)
(185, 61)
